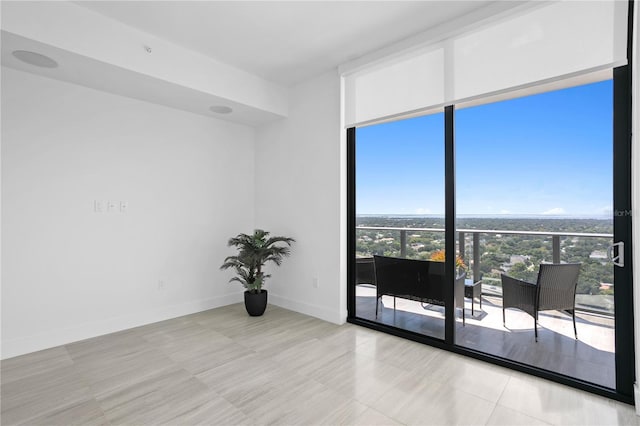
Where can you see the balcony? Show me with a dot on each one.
(591, 358)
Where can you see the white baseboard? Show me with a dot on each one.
(24, 345)
(329, 315)
(343, 315)
(636, 391)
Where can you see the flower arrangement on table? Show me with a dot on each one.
(439, 256)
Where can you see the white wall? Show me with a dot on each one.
(298, 194)
(70, 273)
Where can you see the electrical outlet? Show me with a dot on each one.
(111, 207)
(124, 206)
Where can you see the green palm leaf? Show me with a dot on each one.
(254, 251)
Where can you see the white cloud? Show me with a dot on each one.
(422, 211)
(555, 211)
(503, 211)
(608, 210)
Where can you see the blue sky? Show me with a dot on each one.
(548, 154)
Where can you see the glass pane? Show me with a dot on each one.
(400, 224)
(535, 186)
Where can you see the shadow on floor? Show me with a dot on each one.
(591, 358)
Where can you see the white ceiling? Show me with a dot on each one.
(285, 42)
(192, 55)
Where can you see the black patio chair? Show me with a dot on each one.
(365, 271)
(555, 290)
(420, 280)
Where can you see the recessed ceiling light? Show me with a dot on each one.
(34, 58)
(221, 109)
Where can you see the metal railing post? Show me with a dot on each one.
(461, 245)
(476, 256)
(556, 248)
(403, 243)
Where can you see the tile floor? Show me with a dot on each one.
(224, 367)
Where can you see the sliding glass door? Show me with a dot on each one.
(399, 222)
(531, 196)
(535, 186)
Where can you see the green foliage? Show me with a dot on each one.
(254, 251)
(526, 271)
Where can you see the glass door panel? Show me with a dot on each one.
(534, 180)
(400, 239)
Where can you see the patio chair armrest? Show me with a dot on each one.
(519, 294)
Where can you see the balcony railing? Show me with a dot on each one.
(492, 286)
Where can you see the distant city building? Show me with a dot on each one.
(606, 286)
(385, 240)
(518, 258)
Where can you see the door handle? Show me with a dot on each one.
(617, 260)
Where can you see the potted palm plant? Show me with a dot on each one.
(254, 251)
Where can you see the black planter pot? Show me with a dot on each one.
(255, 303)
